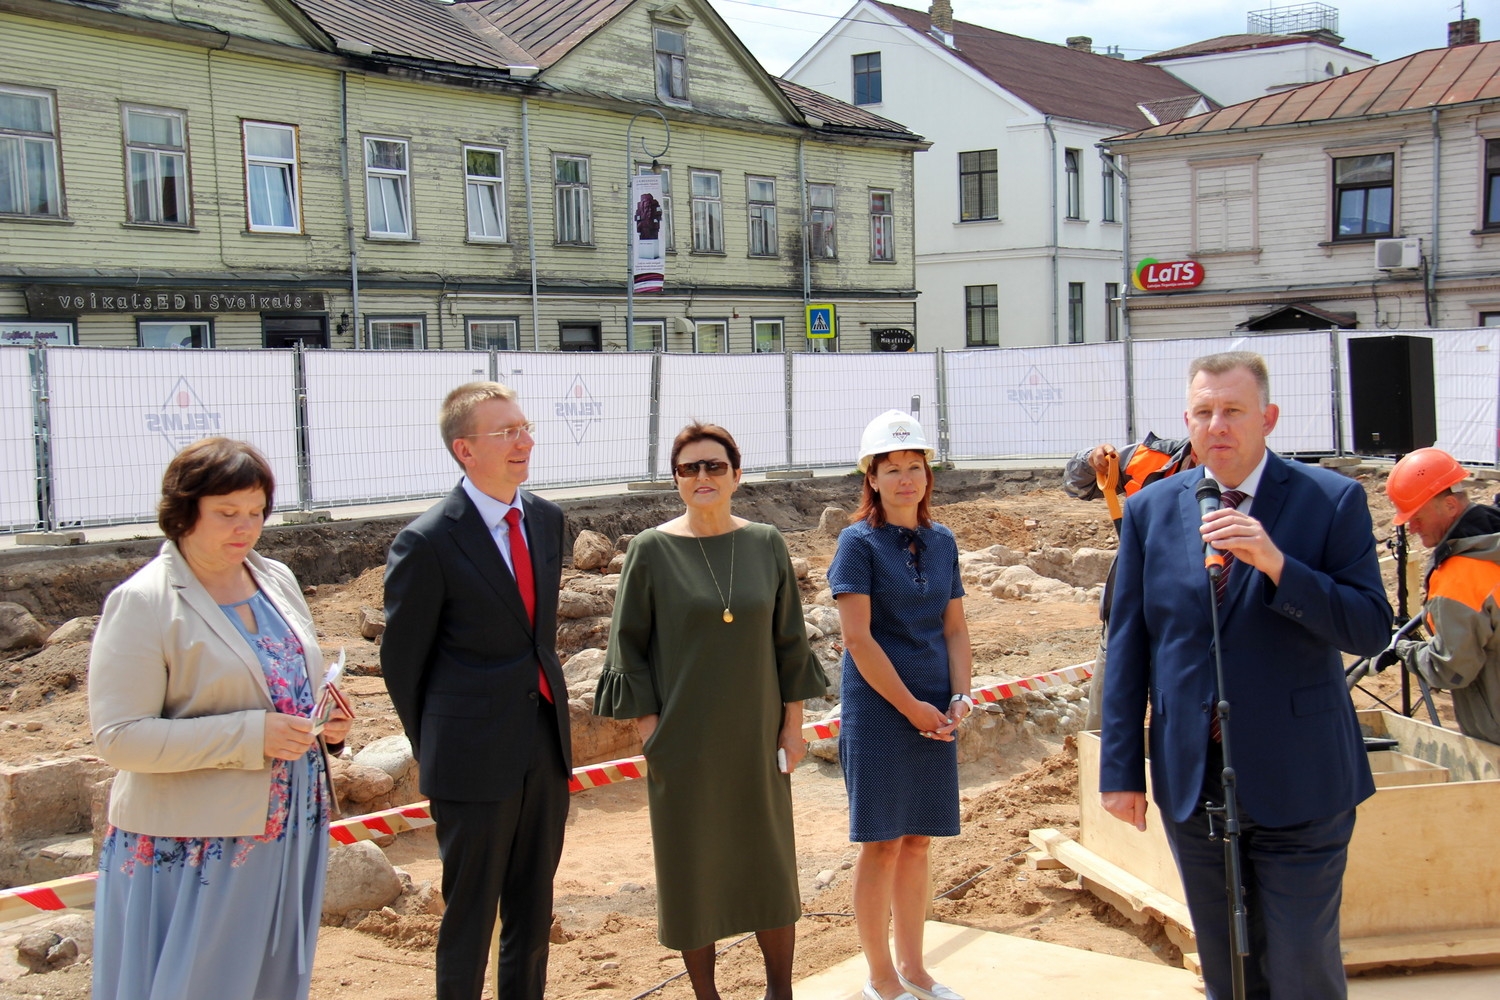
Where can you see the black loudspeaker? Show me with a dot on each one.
(1392, 396)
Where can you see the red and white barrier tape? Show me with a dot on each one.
(78, 890)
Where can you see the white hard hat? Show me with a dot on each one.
(892, 431)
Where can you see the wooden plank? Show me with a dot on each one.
(1473, 948)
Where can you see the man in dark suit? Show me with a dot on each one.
(1302, 584)
(470, 660)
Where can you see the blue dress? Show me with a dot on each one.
(900, 783)
(223, 918)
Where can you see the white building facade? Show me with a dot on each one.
(1235, 68)
(1019, 221)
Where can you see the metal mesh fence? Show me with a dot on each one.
(343, 427)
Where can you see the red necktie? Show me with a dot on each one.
(520, 562)
(1231, 499)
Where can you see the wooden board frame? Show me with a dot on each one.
(1424, 863)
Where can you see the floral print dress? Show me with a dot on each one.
(226, 918)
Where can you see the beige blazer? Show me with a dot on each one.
(177, 701)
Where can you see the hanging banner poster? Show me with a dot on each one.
(646, 244)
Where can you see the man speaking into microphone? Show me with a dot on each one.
(1300, 583)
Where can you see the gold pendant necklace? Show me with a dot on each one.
(728, 615)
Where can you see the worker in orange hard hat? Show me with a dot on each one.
(1461, 605)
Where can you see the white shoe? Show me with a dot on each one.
(871, 993)
(937, 992)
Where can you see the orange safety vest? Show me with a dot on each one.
(1144, 463)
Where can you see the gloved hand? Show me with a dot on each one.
(1384, 659)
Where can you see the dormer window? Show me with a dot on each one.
(671, 64)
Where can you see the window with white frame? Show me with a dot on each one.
(708, 212)
(396, 334)
(867, 78)
(1491, 184)
(671, 64)
(388, 187)
(156, 164)
(574, 202)
(1071, 162)
(760, 197)
(766, 335)
(712, 336)
(177, 333)
(666, 202)
(882, 225)
(1363, 195)
(1075, 312)
(1109, 191)
(978, 185)
(981, 316)
(1112, 306)
(484, 183)
(29, 178)
(1224, 209)
(822, 236)
(493, 333)
(271, 181)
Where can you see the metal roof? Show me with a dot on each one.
(1054, 79)
(1434, 78)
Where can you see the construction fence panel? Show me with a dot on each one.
(1033, 401)
(743, 393)
(1301, 386)
(592, 411)
(118, 415)
(835, 395)
(18, 474)
(1465, 374)
(372, 422)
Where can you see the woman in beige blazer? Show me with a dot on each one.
(203, 680)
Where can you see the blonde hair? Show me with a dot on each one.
(456, 418)
(1228, 361)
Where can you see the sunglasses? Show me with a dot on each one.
(689, 470)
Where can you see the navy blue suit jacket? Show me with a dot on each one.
(1296, 742)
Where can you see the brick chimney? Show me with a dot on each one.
(1081, 43)
(1465, 32)
(941, 13)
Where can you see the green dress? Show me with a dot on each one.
(721, 811)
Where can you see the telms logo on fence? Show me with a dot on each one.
(1034, 394)
(183, 417)
(578, 408)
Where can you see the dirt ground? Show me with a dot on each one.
(605, 888)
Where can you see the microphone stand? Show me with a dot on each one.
(1229, 811)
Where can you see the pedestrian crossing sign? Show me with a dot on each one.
(821, 323)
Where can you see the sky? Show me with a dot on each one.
(779, 31)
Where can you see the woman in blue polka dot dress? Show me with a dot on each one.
(905, 690)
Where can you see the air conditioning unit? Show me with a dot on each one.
(1398, 255)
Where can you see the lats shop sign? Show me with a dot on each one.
(70, 300)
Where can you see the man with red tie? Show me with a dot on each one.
(470, 660)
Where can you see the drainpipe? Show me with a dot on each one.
(806, 234)
(1429, 294)
(536, 323)
(349, 206)
(1123, 206)
(1052, 172)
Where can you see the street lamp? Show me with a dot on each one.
(629, 243)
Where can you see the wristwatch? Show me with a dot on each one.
(966, 699)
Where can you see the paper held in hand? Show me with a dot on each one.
(331, 697)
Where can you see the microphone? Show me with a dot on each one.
(1207, 495)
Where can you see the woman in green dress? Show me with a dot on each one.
(708, 653)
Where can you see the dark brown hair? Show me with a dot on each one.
(211, 467)
(699, 431)
(870, 508)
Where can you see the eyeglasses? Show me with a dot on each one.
(689, 470)
(507, 433)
